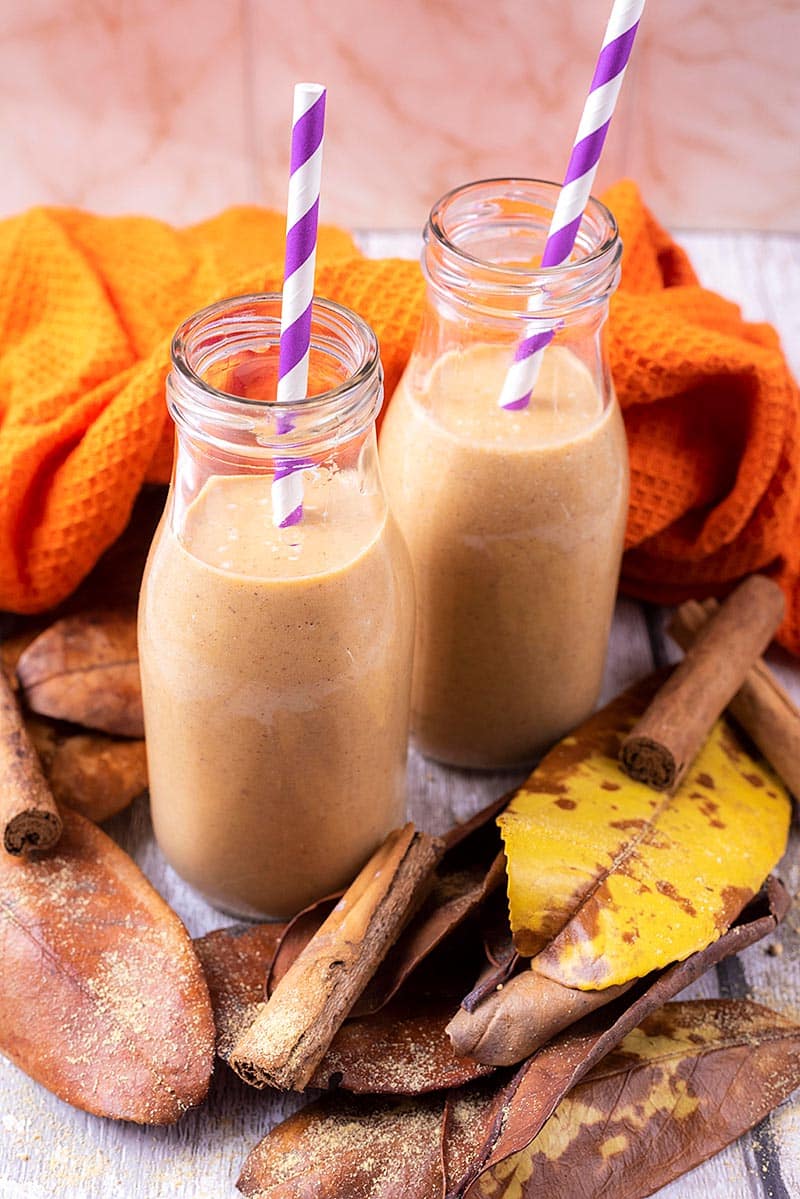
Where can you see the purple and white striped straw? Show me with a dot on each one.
(302, 218)
(576, 189)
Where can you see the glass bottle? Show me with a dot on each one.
(275, 661)
(514, 519)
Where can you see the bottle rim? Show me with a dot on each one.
(215, 332)
(509, 212)
(181, 348)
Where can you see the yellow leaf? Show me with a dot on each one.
(607, 879)
(688, 1081)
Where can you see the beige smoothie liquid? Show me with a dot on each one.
(515, 523)
(275, 676)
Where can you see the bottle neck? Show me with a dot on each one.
(221, 391)
(483, 245)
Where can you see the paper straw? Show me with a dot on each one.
(576, 189)
(302, 216)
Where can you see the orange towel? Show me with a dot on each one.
(88, 305)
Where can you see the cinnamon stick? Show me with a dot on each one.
(665, 740)
(761, 706)
(29, 818)
(293, 1031)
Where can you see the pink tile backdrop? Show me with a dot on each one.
(180, 107)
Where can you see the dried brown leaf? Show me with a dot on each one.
(456, 895)
(93, 773)
(689, 1080)
(351, 1148)
(102, 999)
(235, 961)
(683, 1084)
(296, 935)
(85, 669)
(341, 1148)
(401, 1050)
(502, 959)
(289, 1037)
(519, 1015)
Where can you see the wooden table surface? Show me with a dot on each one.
(48, 1149)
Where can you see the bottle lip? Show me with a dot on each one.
(511, 216)
(241, 322)
(437, 226)
(331, 314)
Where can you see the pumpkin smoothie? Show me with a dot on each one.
(515, 523)
(275, 673)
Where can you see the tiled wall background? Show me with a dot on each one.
(180, 107)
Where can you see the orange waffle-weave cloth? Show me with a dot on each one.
(88, 305)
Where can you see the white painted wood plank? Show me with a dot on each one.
(629, 655)
(389, 243)
(760, 272)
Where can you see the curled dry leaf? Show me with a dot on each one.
(98, 776)
(85, 669)
(342, 1148)
(402, 1049)
(689, 1080)
(517, 1017)
(93, 773)
(295, 936)
(609, 880)
(508, 1122)
(11, 650)
(498, 944)
(102, 999)
(471, 869)
(502, 959)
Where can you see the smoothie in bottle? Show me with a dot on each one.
(514, 519)
(275, 661)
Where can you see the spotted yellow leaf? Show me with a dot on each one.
(608, 879)
(684, 1084)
